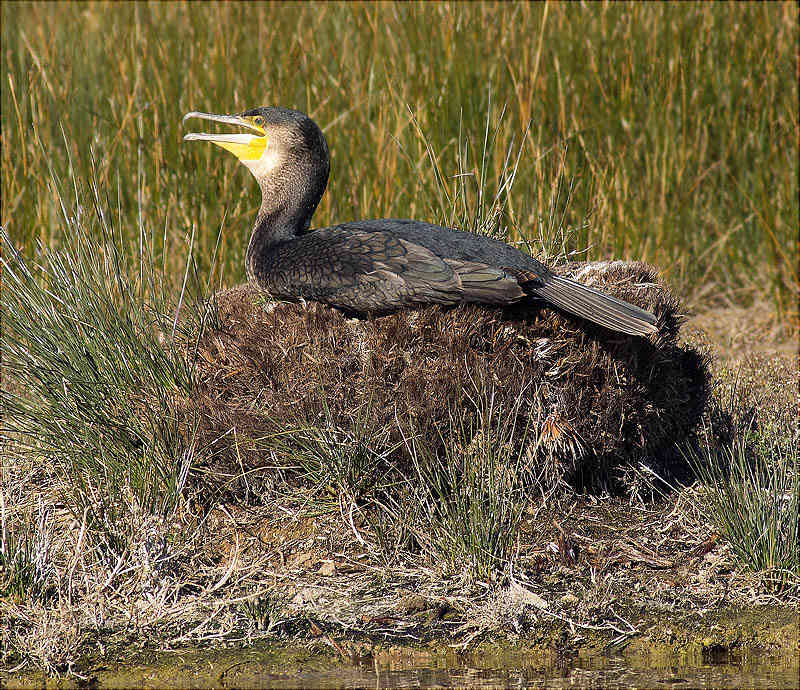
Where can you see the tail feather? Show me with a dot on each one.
(597, 307)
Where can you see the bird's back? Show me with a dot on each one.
(446, 243)
(432, 264)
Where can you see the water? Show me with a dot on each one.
(598, 672)
(282, 667)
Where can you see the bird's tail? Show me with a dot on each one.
(597, 307)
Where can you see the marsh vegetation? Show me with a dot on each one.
(664, 134)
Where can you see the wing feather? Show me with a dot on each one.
(486, 284)
(359, 271)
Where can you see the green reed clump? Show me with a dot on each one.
(351, 458)
(267, 612)
(466, 504)
(93, 364)
(26, 571)
(752, 496)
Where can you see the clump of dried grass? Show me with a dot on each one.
(587, 399)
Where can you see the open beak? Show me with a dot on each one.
(246, 147)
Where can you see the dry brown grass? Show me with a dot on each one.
(590, 572)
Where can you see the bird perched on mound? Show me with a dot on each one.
(380, 266)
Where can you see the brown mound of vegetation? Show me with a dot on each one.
(585, 400)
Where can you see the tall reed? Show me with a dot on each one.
(675, 125)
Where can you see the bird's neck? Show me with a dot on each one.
(274, 225)
(283, 215)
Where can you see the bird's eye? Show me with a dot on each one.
(259, 120)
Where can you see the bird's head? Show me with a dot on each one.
(278, 140)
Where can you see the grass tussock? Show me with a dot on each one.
(754, 498)
(751, 486)
(470, 495)
(583, 401)
(92, 368)
(350, 460)
(26, 569)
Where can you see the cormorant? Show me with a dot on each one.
(379, 266)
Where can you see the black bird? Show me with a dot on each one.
(379, 266)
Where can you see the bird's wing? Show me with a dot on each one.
(487, 284)
(361, 271)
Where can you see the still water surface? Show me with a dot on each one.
(605, 672)
(282, 667)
